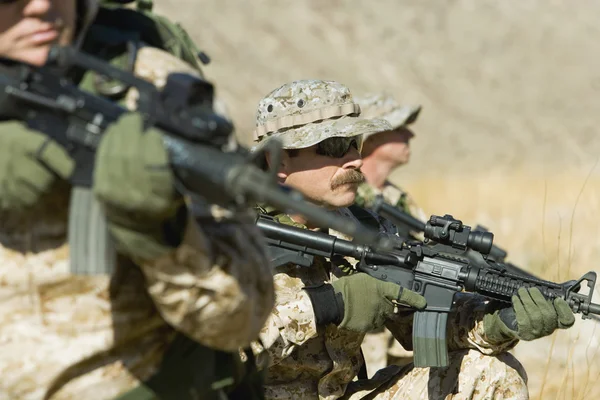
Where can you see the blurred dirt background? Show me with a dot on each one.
(507, 137)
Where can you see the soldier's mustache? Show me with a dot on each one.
(353, 176)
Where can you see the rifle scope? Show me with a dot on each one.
(450, 231)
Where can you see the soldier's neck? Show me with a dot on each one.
(377, 171)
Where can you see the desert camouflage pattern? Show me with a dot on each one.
(306, 112)
(94, 337)
(155, 65)
(470, 375)
(310, 362)
(384, 106)
(306, 362)
(380, 349)
(252, 296)
(477, 370)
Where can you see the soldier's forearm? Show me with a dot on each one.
(220, 300)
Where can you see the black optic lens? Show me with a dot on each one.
(336, 147)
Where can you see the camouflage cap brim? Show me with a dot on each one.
(405, 115)
(400, 116)
(313, 133)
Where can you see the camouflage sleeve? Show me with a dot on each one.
(364, 195)
(292, 321)
(219, 292)
(465, 326)
(464, 330)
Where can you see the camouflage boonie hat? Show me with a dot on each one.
(303, 113)
(386, 107)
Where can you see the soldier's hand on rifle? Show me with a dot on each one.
(531, 317)
(30, 163)
(133, 179)
(359, 302)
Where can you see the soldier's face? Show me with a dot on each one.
(29, 27)
(392, 146)
(325, 180)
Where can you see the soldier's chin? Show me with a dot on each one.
(33, 55)
(403, 158)
(344, 195)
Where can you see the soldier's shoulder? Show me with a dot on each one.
(154, 65)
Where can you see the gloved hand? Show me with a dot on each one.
(29, 164)
(133, 180)
(530, 317)
(359, 302)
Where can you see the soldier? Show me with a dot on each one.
(314, 346)
(314, 333)
(385, 151)
(151, 327)
(382, 153)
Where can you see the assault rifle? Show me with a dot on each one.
(407, 223)
(46, 99)
(437, 270)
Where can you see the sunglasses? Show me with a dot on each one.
(338, 147)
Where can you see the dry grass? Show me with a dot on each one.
(550, 226)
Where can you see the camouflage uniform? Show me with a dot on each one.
(380, 348)
(470, 375)
(477, 369)
(97, 336)
(307, 361)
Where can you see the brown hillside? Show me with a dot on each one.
(503, 82)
